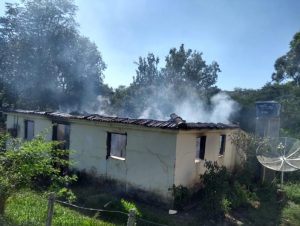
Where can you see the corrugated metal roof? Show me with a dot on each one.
(170, 124)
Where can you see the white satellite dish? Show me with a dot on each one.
(280, 154)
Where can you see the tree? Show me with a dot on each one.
(155, 93)
(288, 65)
(147, 73)
(24, 163)
(186, 69)
(44, 59)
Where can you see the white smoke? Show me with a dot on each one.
(194, 110)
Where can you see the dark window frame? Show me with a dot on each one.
(26, 122)
(122, 155)
(201, 147)
(66, 143)
(222, 144)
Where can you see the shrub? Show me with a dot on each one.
(23, 163)
(246, 145)
(181, 196)
(216, 187)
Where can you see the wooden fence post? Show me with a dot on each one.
(51, 200)
(131, 218)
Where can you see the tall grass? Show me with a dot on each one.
(30, 209)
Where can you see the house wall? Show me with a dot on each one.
(150, 153)
(149, 161)
(187, 168)
(155, 158)
(41, 124)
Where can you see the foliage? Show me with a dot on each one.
(22, 165)
(181, 195)
(292, 191)
(155, 91)
(288, 65)
(288, 95)
(187, 68)
(30, 208)
(290, 214)
(216, 187)
(246, 146)
(44, 62)
(223, 191)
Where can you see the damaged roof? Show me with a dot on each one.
(174, 123)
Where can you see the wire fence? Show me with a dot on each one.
(131, 221)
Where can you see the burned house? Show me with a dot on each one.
(144, 154)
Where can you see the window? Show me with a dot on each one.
(13, 131)
(28, 129)
(116, 145)
(200, 152)
(61, 132)
(222, 144)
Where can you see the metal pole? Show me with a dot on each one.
(51, 200)
(281, 181)
(131, 218)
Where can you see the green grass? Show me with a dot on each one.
(291, 214)
(27, 208)
(292, 191)
(291, 211)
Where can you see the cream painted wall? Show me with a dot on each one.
(150, 153)
(187, 170)
(41, 124)
(149, 161)
(155, 158)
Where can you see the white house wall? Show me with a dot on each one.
(149, 161)
(41, 125)
(155, 158)
(187, 168)
(150, 153)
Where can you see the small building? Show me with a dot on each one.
(143, 154)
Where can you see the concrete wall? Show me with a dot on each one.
(41, 124)
(155, 158)
(149, 161)
(150, 153)
(187, 167)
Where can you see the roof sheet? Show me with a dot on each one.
(169, 124)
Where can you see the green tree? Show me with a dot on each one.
(187, 69)
(155, 92)
(288, 65)
(44, 60)
(22, 164)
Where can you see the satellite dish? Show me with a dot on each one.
(280, 154)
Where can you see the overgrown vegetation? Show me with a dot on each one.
(31, 163)
(28, 208)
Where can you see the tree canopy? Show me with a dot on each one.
(288, 65)
(44, 61)
(155, 92)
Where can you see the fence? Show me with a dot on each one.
(131, 221)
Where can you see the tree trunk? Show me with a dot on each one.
(2, 204)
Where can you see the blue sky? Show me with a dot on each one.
(244, 37)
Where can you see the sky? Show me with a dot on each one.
(244, 37)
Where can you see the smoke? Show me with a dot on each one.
(219, 108)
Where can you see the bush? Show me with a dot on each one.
(181, 195)
(246, 145)
(292, 192)
(24, 162)
(216, 187)
(222, 192)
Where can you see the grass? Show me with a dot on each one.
(27, 208)
(291, 211)
(271, 210)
